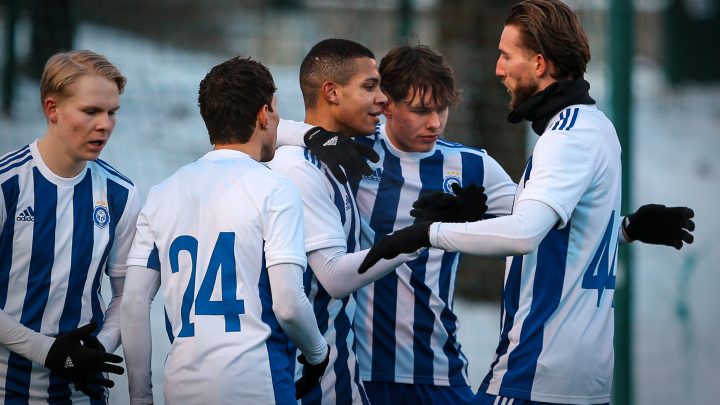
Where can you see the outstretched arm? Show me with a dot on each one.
(516, 234)
(337, 270)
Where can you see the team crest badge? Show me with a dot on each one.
(101, 215)
(448, 181)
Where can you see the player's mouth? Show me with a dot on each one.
(429, 138)
(97, 145)
(376, 116)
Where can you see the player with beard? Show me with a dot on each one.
(556, 342)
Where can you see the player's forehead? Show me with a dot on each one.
(364, 69)
(423, 97)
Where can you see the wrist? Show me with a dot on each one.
(625, 231)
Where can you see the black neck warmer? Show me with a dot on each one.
(539, 108)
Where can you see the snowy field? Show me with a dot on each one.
(676, 312)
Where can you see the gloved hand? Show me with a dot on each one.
(406, 240)
(78, 363)
(335, 150)
(660, 225)
(311, 375)
(469, 204)
(93, 391)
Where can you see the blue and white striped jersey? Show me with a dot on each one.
(58, 236)
(227, 343)
(405, 325)
(556, 342)
(331, 220)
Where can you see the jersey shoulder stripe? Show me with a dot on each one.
(15, 159)
(566, 119)
(444, 143)
(311, 158)
(114, 172)
(14, 154)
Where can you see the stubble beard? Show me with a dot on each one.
(522, 92)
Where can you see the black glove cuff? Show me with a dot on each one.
(629, 237)
(310, 134)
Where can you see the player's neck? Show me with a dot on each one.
(248, 148)
(54, 154)
(321, 117)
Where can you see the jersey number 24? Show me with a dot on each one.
(222, 258)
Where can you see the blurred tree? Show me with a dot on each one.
(53, 30)
(689, 25)
(9, 68)
(469, 35)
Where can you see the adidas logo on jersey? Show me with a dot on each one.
(376, 176)
(28, 215)
(69, 363)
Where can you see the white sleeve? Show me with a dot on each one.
(337, 270)
(283, 225)
(109, 335)
(124, 234)
(499, 188)
(144, 241)
(141, 285)
(322, 222)
(562, 171)
(516, 234)
(292, 133)
(294, 312)
(22, 340)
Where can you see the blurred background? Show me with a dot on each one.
(653, 71)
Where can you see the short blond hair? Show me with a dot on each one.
(64, 68)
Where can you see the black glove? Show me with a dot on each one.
(68, 357)
(311, 375)
(335, 150)
(469, 204)
(660, 225)
(93, 391)
(406, 240)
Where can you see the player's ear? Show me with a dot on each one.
(263, 117)
(543, 66)
(330, 91)
(50, 109)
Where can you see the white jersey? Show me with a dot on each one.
(556, 342)
(331, 220)
(405, 325)
(212, 229)
(58, 236)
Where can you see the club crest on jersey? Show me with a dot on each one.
(101, 215)
(448, 181)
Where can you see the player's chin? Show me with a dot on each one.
(424, 146)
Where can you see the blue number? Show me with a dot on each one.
(600, 274)
(223, 259)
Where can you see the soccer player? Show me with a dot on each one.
(66, 218)
(405, 327)
(225, 236)
(340, 83)
(556, 342)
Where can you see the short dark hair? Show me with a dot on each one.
(230, 97)
(552, 29)
(331, 59)
(418, 69)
